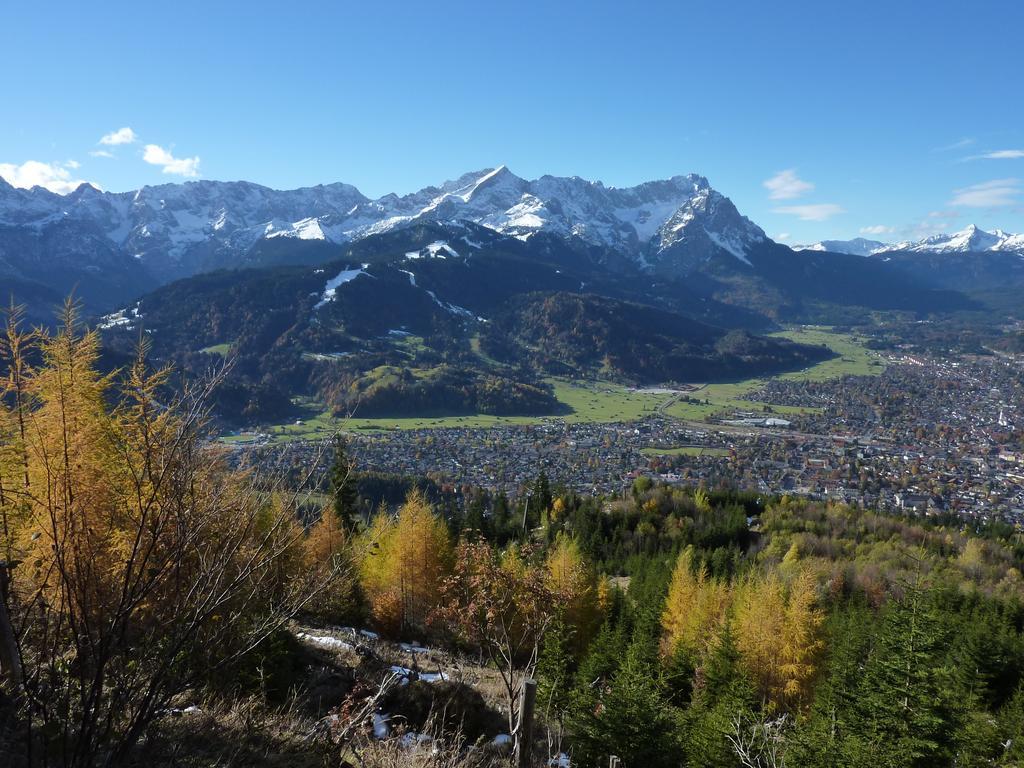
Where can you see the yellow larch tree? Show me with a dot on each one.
(404, 562)
(802, 641)
(576, 588)
(695, 610)
(330, 548)
(140, 554)
(779, 636)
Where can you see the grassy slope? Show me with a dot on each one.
(853, 360)
(606, 402)
(685, 450)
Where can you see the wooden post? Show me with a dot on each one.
(524, 730)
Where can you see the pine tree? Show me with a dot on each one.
(820, 739)
(343, 486)
(555, 669)
(632, 717)
(903, 716)
(475, 521)
(721, 693)
(540, 498)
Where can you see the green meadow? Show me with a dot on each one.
(686, 450)
(609, 402)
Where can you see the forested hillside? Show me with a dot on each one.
(669, 626)
(437, 336)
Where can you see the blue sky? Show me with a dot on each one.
(892, 119)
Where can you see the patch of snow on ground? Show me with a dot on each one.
(413, 739)
(439, 249)
(331, 289)
(455, 309)
(435, 249)
(360, 632)
(413, 648)
(380, 725)
(330, 643)
(114, 319)
(304, 229)
(733, 248)
(426, 677)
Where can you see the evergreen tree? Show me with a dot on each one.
(501, 517)
(903, 716)
(1011, 726)
(721, 693)
(475, 519)
(555, 669)
(633, 718)
(818, 741)
(343, 487)
(542, 493)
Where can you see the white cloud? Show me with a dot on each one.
(121, 136)
(877, 229)
(966, 142)
(101, 153)
(182, 166)
(1003, 154)
(72, 164)
(786, 185)
(811, 212)
(55, 177)
(988, 194)
(782, 236)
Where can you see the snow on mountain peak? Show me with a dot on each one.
(970, 239)
(168, 224)
(858, 246)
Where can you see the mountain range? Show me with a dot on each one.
(971, 239)
(161, 233)
(971, 260)
(113, 247)
(460, 298)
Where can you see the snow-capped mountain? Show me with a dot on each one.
(968, 240)
(643, 221)
(859, 246)
(173, 230)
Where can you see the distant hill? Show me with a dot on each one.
(574, 333)
(496, 316)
